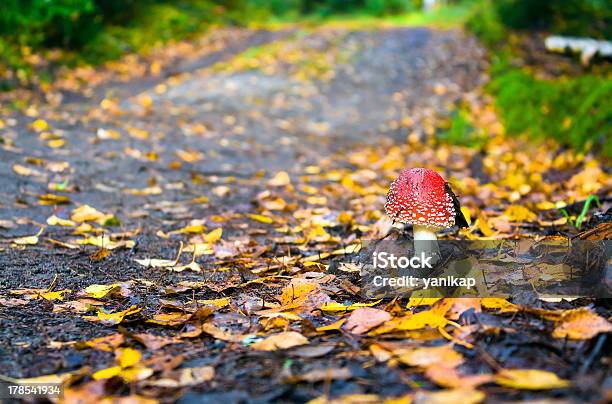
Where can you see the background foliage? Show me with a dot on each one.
(573, 110)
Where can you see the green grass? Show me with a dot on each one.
(576, 112)
(451, 16)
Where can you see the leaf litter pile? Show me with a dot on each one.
(177, 233)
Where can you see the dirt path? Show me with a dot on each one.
(153, 149)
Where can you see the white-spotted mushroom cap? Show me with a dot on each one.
(419, 196)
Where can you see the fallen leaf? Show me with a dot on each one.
(154, 342)
(519, 213)
(86, 213)
(424, 357)
(113, 318)
(335, 326)
(28, 240)
(280, 179)
(108, 343)
(57, 221)
(580, 323)
(319, 375)
(261, 218)
(364, 319)
(450, 377)
(283, 340)
(339, 307)
(185, 377)
(460, 395)
(530, 379)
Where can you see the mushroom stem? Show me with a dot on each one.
(424, 233)
(426, 242)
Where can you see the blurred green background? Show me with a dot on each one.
(568, 103)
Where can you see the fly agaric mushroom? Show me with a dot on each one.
(421, 197)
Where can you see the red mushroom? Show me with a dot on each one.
(421, 197)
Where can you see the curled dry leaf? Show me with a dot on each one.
(364, 319)
(107, 343)
(28, 240)
(580, 323)
(113, 318)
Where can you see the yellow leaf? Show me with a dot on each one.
(155, 190)
(581, 323)
(318, 233)
(156, 263)
(105, 242)
(421, 301)
(39, 125)
(107, 343)
(57, 221)
(105, 134)
(191, 229)
(261, 218)
(46, 379)
(56, 143)
(26, 171)
(218, 303)
(51, 199)
(518, 213)
(170, 319)
(107, 373)
(135, 373)
(113, 318)
(59, 295)
(429, 318)
(28, 240)
(189, 156)
(99, 291)
(484, 227)
(337, 307)
(530, 379)
(193, 266)
(466, 213)
(428, 356)
(128, 357)
(138, 133)
(333, 326)
(213, 236)
(500, 304)
(86, 213)
(283, 340)
(280, 179)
